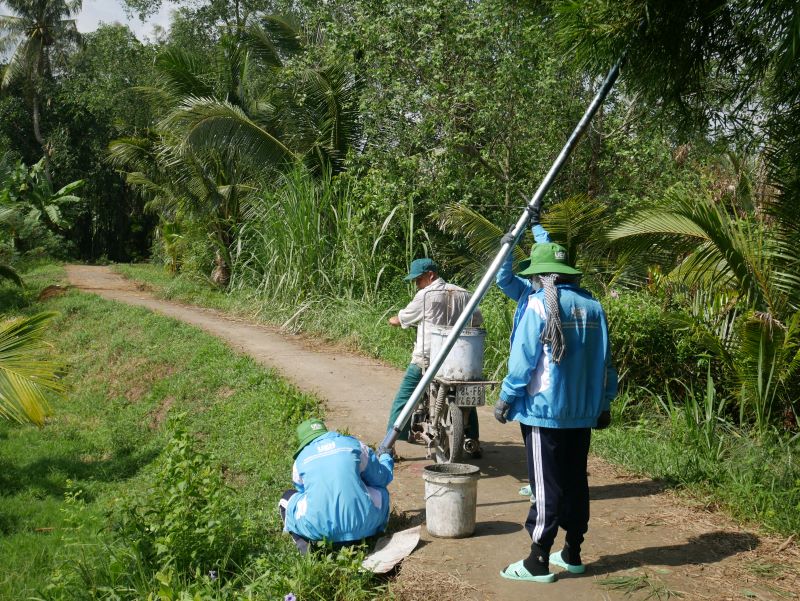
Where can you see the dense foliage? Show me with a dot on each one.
(311, 150)
(301, 154)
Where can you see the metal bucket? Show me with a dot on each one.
(451, 495)
(465, 361)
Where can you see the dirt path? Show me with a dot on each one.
(637, 529)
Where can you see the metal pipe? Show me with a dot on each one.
(486, 281)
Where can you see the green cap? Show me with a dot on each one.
(420, 266)
(308, 431)
(548, 257)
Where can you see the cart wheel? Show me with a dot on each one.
(450, 444)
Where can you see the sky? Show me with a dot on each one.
(110, 11)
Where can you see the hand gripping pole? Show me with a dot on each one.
(486, 281)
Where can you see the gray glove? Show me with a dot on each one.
(501, 411)
(383, 450)
(534, 215)
(507, 238)
(604, 421)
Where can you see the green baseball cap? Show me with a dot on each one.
(548, 257)
(308, 431)
(420, 266)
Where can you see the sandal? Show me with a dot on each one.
(571, 568)
(517, 571)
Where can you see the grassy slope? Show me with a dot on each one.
(753, 480)
(130, 373)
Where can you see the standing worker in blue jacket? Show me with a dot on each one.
(559, 386)
(518, 289)
(340, 494)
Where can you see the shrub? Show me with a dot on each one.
(186, 520)
(650, 346)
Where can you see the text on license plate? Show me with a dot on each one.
(470, 395)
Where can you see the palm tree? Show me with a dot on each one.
(222, 130)
(40, 32)
(317, 119)
(25, 378)
(742, 271)
(575, 222)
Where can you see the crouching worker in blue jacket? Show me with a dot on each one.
(559, 386)
(340, 483)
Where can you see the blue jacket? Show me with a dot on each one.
(569, 394)
(516, 287)
(341, 486)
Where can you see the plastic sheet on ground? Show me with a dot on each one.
(391, 550)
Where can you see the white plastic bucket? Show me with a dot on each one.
(451, 494)
(465, 360)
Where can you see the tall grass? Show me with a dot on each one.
(691, 443)
(310, 239)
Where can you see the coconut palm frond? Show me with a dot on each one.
(577, 222)
(284, 32)
(183, 73)
(720, 245)
(261, 45)
(481, 236)
(211, 123)
(131, 153)
(766, 356)
(22, 61)
(25, 377)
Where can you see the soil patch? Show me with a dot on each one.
(159, 416)
(52, 291)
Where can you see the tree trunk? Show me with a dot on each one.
(37, 133)
(221, 274)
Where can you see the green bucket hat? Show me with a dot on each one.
(420, 266)
(308, 431)
(548, 257)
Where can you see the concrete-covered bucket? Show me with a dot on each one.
(451, 494)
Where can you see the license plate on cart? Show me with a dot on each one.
(470, 395)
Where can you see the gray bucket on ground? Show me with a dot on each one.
(451, 494)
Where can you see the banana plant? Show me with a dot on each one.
(27, 201)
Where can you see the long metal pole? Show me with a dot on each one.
(488, 277)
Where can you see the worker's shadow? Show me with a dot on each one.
(709, 547)
(624, 490)
(502, 459)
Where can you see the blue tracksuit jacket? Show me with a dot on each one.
(516, 287)
(570, 394)
(341, 486)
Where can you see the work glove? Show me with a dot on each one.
(604, 421)
(382, 449)
(507, 238)
(534, 215)
(501, 411)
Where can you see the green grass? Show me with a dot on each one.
(756, 480)
(132, 377)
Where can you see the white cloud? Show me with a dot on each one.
(110, 11)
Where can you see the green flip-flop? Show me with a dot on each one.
(572, 569)
(517, 571)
